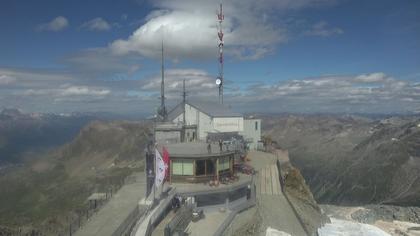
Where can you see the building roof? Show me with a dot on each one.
(175, 112)
(196, 150)
(212, 109)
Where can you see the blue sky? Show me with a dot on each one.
(294, 56)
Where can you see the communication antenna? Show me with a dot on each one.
(219, 80)
(184, 101)
(162, 111)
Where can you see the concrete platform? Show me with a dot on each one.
(209, 225)
(116, 211)
(273, 206)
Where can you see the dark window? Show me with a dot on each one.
(200, 167)
(256, 125)
(210, 167)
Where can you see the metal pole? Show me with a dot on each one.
(220, 18)
(162, 88)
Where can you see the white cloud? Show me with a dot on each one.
(96, 24)
(372, 78)
(323, 29)
(189, 28)
(57, 24)
(197, 82)
(83, 90)
(6, 79)
(68, 90)
(334, 94)
(31, 90)
(185, 35)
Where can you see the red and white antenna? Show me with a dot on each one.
(219, 80)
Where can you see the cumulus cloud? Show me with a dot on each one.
(373, 78)
(189, 27)
(323, 29)
(366, 93)
(68, 90)
(57, 24)
(96, 24)
(197, 82)
(6, 79)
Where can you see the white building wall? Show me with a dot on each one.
(196, 117)
(252, 132)
(190, 116)
(165, 137)
(205, 124)
(228, 124)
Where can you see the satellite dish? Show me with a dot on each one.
(218, 81)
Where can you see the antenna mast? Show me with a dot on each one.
(184, 101)
(219, 80)
(163, 112)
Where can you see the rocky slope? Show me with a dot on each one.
(49, 189)
(353, 160)
(301, 198)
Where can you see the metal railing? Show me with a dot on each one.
(180, 221)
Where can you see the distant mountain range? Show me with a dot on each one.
(26, 132)
(352, 159)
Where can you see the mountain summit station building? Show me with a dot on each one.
(201, 121)
(203, 138)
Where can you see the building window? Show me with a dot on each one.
(224, 163)
(200, 167)
(177, 167)
(182, 167)
(256, 125)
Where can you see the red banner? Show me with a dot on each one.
(166, 161)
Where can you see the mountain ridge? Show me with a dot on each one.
(348, 160)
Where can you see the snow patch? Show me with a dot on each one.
(274, 232)
(348, 228)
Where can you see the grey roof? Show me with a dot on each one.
(175, 112)
(195, 150)
(212, 109)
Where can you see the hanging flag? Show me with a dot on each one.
(166, 161)
(159, 169)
